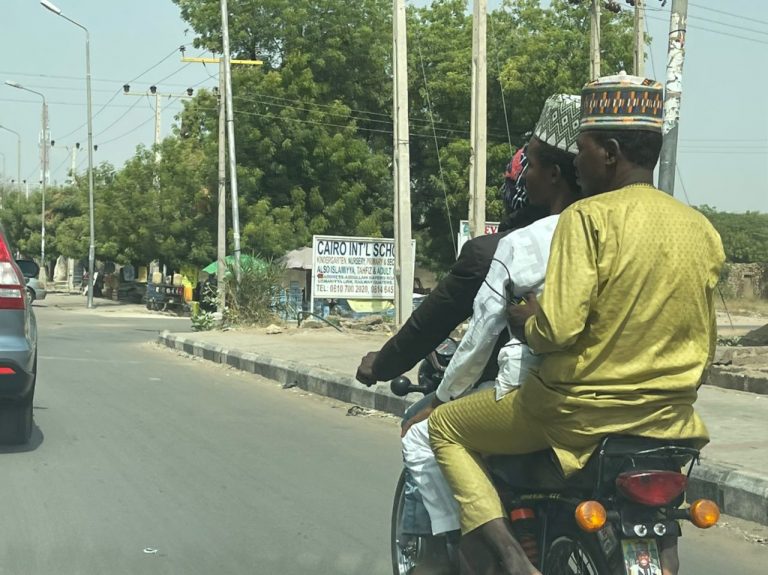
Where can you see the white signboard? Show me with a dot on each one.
(463, 236)
(353, 268)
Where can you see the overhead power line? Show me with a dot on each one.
(719, 32)
(119, 90)
(731, 14)
(129, 132)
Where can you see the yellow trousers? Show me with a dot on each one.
(461, 431)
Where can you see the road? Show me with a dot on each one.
(144, 461)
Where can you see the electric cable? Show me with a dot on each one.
(437, 150)
(119, 91)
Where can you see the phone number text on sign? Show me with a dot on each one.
(355, 268)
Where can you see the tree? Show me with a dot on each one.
(744, 236)
(20, 218)
(160, 210)
(307, 163)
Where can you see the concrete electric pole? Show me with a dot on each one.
(673, 92)
(18, 155)
(594, 39)
(639, 67)
(153, 91)
(401, 168)
(479, 121)
(230, 135)
(45, 159)
(221, 235)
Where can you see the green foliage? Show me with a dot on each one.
(203, 321)
(729, 341)
(745, 236)
(249, 298)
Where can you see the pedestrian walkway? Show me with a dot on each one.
(735, 464)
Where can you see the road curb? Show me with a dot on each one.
(738, 379)
(312, 379)
(738, 492)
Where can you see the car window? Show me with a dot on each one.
(29, 269)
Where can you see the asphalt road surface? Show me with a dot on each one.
(145, 461)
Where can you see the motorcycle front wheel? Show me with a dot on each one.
(405, 548)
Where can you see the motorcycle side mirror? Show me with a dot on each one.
(401, 386)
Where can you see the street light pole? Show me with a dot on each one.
(43, 171)
(92, 245)
(18, 155)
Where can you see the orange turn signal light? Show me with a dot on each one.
(590, 516)
(704, 513)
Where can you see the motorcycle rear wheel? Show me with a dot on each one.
(573, 552)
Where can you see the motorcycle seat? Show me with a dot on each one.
(541, 471)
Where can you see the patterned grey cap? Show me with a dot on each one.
(558, 125)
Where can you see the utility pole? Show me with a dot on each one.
(479, 121)
(18, 155)
(230, 135)
(639, 38)
(402, 169)
(673, 94)
(221, 238)
(594, 39)
(73, 165)
(153, 89)
(44, 161)
(154, 92)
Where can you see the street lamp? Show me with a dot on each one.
(18, 154)
(44, 162)
(92, 247)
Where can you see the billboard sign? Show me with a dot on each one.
(463, 236)
(353, 268)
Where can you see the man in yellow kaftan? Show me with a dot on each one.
(626, 321)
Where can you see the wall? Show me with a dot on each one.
(747, 281)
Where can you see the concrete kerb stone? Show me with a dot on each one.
(738, 380)
(737, 492)
(312, 379)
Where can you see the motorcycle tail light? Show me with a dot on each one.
(652, 488)
(590, 516)
(704, 513)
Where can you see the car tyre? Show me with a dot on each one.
(16, 422)
(32, 295)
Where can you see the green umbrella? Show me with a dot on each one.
(245, 261)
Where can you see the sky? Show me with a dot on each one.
(723, 147)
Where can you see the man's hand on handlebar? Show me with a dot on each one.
(421, 416)
(365, 370)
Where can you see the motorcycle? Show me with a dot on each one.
(607, 519)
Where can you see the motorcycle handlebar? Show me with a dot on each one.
(402, 386)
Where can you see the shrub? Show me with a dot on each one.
(250, 298)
